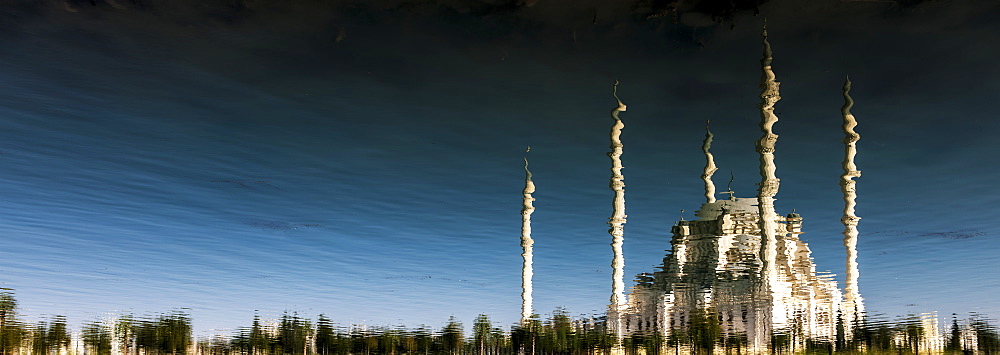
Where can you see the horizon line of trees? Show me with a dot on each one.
(558, 333)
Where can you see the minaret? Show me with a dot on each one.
(617, 222)
(767, 189)
(526, 242)
(852, 296)
(710, 167)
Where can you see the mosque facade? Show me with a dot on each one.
(714, 269)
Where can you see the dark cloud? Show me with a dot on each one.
(717, 11)
(491, 18)
(698, 89)
(953, 234)
(957, 234)
(278, 225)
(412, 43)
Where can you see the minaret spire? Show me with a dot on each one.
(710, 167)
(852, 296)
(768, 188)
(526, 242)
(729, 187)
(617, 221)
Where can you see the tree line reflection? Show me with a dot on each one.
(556, 333)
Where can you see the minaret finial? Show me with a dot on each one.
(710, 167)
(621, 106)
(848, 103)
(766, 61)
(729, 187)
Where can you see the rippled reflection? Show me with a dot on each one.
(740, 273)
(711, 277)
(738, 280)
(708, 330)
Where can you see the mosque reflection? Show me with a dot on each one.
(714, 275)
(739, 275)
(743, 269)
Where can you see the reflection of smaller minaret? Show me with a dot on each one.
(852, 295)
(617, 221)
(526, 242)
(709, 166)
